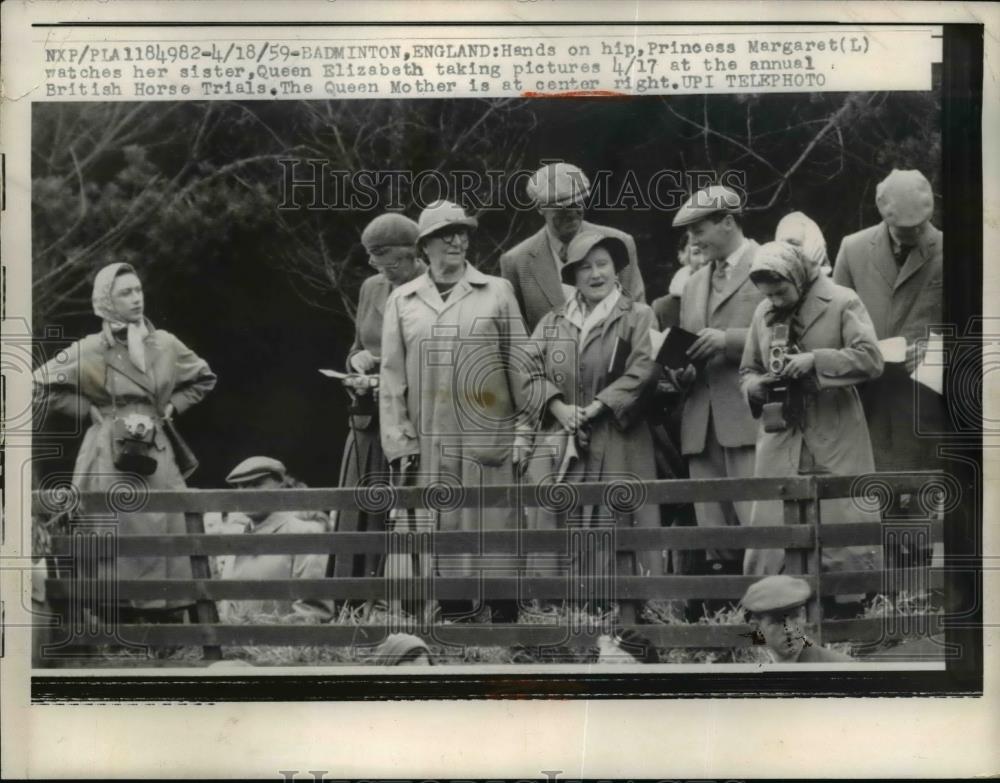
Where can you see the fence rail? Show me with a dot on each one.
(803, 535)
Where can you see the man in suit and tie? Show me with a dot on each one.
(896, 269)
(559, 191)
(718, 432)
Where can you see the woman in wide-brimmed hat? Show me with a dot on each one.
(452, 390)
(592, 371)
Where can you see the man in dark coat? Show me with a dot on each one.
(896, 269)
(559, 191)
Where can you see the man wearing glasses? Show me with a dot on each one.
(559, 191)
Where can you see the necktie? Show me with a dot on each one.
(562, 254)
(901, 253)
(719, 275)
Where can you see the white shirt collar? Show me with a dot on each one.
(734, 258)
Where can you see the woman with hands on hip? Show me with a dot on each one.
(131, 379)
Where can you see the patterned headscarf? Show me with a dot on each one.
(802, 232)
(105, 310)
(784, 260)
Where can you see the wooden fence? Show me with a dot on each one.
(803, 535)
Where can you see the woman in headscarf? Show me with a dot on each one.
(830, 349)
(593, 370)
(390, 241)
(129, 379)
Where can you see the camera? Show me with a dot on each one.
(777, 411)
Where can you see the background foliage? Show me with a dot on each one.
(189, 193)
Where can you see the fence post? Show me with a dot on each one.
(814, 562)
(204, 611)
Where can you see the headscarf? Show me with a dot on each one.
(787, 262)
(105, 310)
(801, 231)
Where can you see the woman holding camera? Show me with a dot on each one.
(130, 379)
(811, 342)
(390, 241)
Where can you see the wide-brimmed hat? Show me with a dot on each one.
(583, 243)
(441, 215)
(254, 468)
(707, 202)
(389, 230)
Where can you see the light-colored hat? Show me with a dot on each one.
(389, 230)
(706, 202)
(905, 198)
(442, 214)
(558, 185)
(254, 468)
(586, 241)
(776, 594)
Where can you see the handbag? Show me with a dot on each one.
(187, 462)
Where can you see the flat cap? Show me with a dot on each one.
(586, 241)
(708, 201)
(558, 185)
(389, 230)
(442, 214)
(776, 593)
(254, 468)
(905, 198)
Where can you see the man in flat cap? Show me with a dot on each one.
(559, 191)
(777, 607)
(718, 432)
(268, 473)
(896, 269)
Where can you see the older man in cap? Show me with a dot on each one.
(896, 269)
(778, 615)
(268, 473)
(559, 191)
(718, 432)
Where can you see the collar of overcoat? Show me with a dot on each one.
(817, 300)
(381, 295)
(737, 275)
(117, 360)
(272, 523)
(623, 306)
(426, 290)
(920, 255)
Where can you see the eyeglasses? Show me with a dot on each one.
(448, 235)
